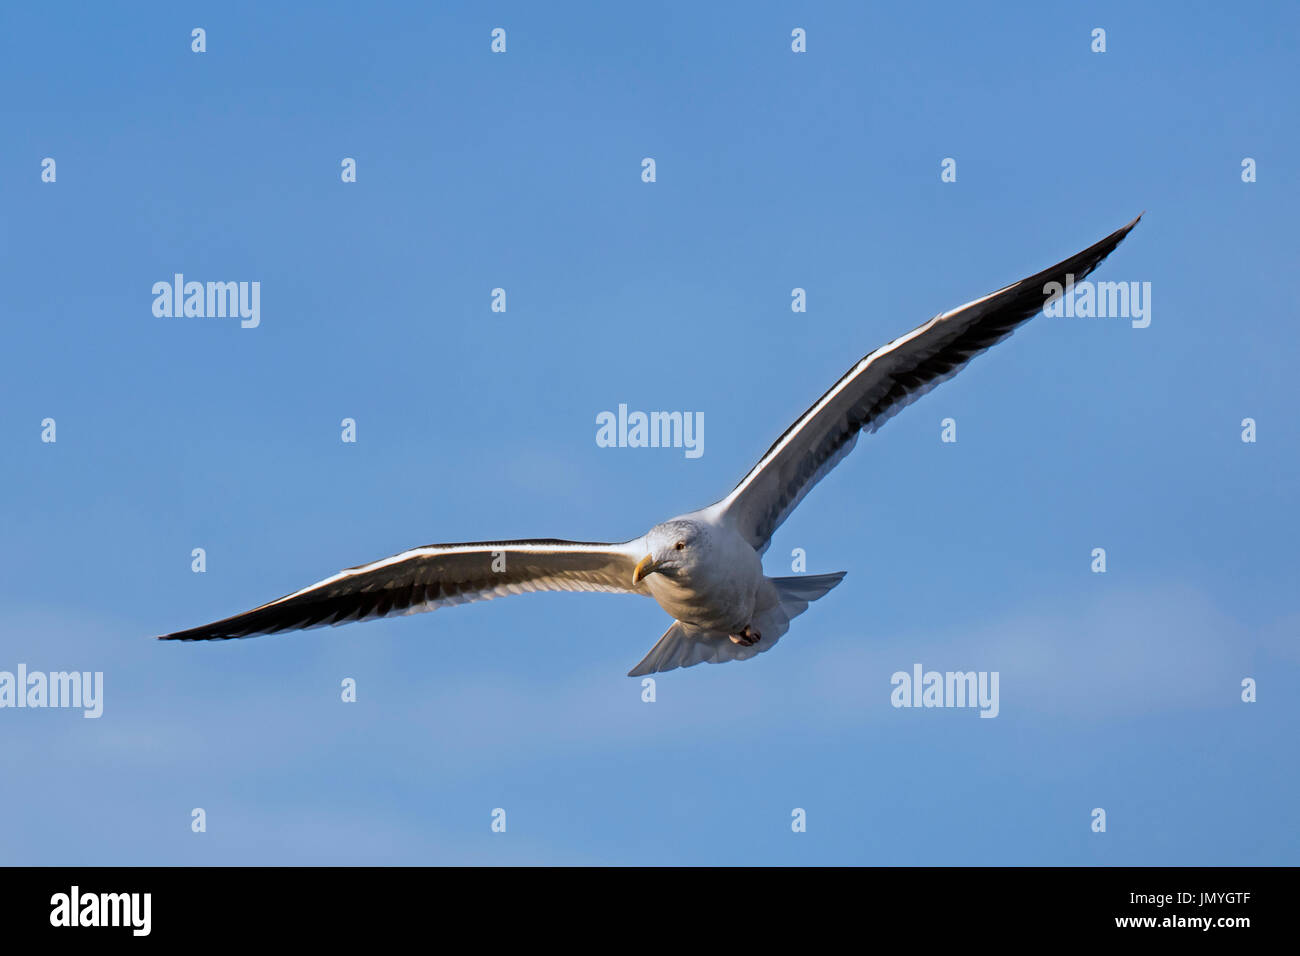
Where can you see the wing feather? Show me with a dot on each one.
(438, 575)
(883, 383)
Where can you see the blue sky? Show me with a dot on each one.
(775, 170)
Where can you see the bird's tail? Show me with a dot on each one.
(798, 592)
(684, 645)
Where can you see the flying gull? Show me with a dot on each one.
(704, 568)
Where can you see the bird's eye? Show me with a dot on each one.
(680, 545)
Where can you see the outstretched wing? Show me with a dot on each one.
(885, 381)
(435, 576)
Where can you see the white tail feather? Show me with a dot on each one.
(685, 645)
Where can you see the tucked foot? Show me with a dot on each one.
(746, 638)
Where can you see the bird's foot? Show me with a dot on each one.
(746, 638)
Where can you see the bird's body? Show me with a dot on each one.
(719, 581)
(705, 567)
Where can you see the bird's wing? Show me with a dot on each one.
(436, 576)
(885, 381)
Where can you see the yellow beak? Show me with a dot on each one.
(646, 565)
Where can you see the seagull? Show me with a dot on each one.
(705, 567)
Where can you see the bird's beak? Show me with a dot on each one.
(647, 565)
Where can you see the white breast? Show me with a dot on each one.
(718, 589)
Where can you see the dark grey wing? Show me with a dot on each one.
(885, 381)
(436, 576)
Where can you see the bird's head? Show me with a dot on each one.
(676, 547)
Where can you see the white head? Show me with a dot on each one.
(677, 547)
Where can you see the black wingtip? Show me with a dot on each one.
(1123, 231)
(193, 634)
(1120, 234)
